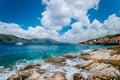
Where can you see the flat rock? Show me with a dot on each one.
(31, 66)
(56, 61)
(69, 56)
(85, 64)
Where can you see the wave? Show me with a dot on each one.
(69, 68)
(87, 50)
(7, 72)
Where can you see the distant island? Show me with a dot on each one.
(106, 40)
(13, 39)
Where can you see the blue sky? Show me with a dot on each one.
(28, 12)
(23, 12)
(18, 11)
(106, 8)
(62, 18)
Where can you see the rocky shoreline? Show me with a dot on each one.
(101, 64)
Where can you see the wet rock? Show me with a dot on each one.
(78, 66)
(22, 75)
(31, 74)
(41, 71)
(78, 76)
(35, 76)
(58, 76)
(69, 56)
(31, 67)
(56, 61)
(85, 56)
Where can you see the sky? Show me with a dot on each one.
(71, 21)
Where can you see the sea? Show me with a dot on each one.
(14, 57)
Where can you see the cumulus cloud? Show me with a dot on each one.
(37, 32)
(94, 30)
(59, 13)
(79, 32)
(112, 24)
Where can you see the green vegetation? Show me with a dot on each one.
(13, 39)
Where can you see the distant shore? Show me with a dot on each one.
(101, 64)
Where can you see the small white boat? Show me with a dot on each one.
(19, 43)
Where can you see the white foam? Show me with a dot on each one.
(87, 50)
(69, 68)
(6, 73)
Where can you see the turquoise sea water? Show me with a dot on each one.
(10, 54)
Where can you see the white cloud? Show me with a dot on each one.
(11, 28)
(94, 30)
(58, 13)
(112, 24)
(78, 33)
(37, 32)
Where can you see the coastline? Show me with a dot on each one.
(93, 65)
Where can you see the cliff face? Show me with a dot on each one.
(111, 39)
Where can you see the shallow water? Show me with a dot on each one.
(14, 57)
(11, 53)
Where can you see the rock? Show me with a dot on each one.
(36, 76)
(78, 66)
(30, 74)
(85, 64)
(100, 54)
(97, 63)
(56, 61)
(40, 71)
(109, 77)
(103, 69)
(22, 75)
(93, 78)
(69, 56)
(78, 76)
(85, 56)
(109, 61)
(58, 76)
(31, 66)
